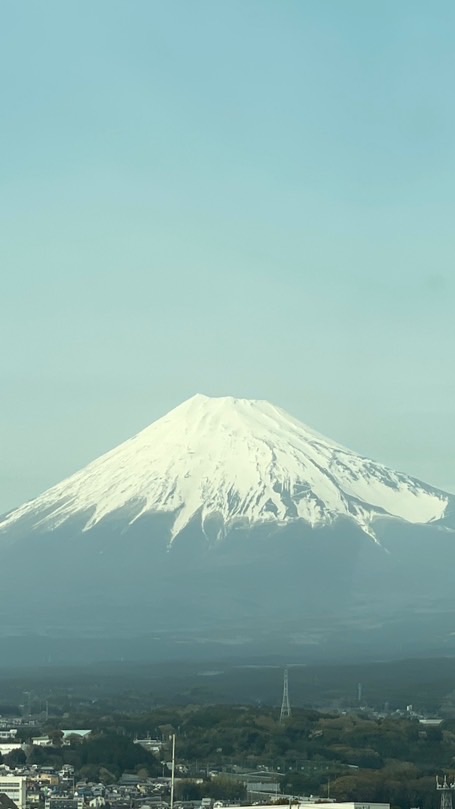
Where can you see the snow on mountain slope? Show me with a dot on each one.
(244, 460)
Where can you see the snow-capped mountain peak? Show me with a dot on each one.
(245, 461)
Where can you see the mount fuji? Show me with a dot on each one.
(230, 522)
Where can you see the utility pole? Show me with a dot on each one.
(173, 772)
(285, 704)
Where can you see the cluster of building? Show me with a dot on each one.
(33, 787)
(50, 789)
(25, 792)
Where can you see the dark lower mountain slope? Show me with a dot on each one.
(317, 593)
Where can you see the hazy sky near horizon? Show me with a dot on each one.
(244, 197)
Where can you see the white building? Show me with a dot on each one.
(8, 747)
(74, 734)
(344, 805)
(310, 804)
(42, 741)
(15, 788)
(78, 732)
(153, 745)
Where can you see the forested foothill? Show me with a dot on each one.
(351, 755)
(355, 731)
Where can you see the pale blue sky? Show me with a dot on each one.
(246, 197)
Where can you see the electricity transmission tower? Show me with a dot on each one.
(286, 705)
(445, 788)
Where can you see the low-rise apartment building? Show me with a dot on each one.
(15, 787)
